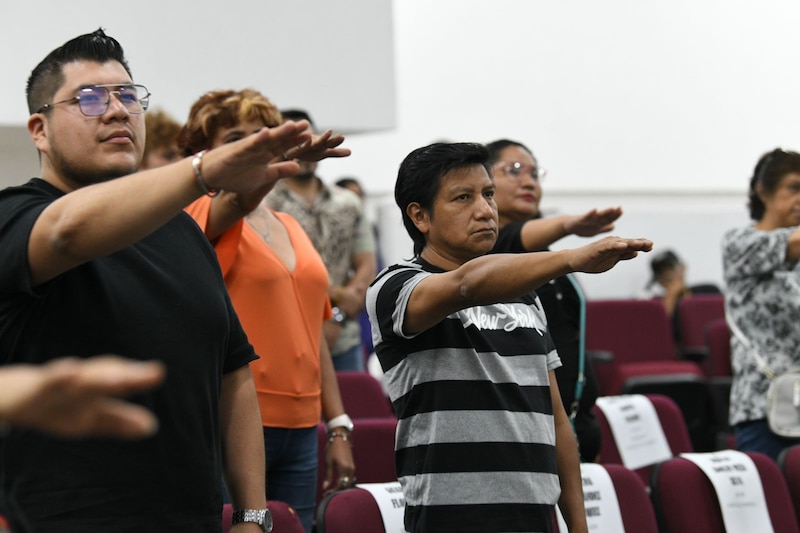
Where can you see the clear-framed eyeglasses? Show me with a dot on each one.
(516, 169)
(94, 100)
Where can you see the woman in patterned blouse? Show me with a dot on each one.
(762, 277)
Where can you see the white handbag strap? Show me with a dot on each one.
(762, 364)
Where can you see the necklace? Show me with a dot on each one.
(264, 233)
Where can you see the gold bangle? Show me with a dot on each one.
(197, 166)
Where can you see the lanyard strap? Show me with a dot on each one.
(581, 381)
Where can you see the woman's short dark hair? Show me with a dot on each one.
(420, 175)
(769, 171)
(495, 147)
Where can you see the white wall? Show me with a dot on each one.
(619, 95)
(662, 107)
(336, 58)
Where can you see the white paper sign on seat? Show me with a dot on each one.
(636, 428)
(738, 486)
(391, 503)
(600, 500)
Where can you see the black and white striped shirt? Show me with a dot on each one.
(475, 447)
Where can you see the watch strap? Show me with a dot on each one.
(341, 421)
(256, 516)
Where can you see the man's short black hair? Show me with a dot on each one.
(48, 76)
(420, 175)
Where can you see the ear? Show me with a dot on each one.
(419, 216)
(759, 189)
(37, 131)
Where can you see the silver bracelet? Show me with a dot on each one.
(197, 166)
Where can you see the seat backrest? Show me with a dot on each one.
(634, 502)
(690, 391)
(718, 341)
(672, 423)
(632, 330)
(349, 511)
(284, 517)
(635, 507)
(685, 501)
(694, 313)
(789, 462)
(373, 451)
(363, 396)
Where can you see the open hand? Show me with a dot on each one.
(73, 397)
(602, 255)
(594, 222)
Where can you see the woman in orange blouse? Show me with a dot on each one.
(279, 288)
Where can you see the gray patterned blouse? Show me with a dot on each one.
(762, 294)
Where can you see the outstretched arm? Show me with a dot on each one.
(79, 397)
(498, 277)
(539, 233)
(228, 207)
(100, 219)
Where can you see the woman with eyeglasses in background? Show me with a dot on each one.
(518, 191)
(762, 296)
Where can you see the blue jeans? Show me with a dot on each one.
(292, 469)
(755, 436)
(349, 360)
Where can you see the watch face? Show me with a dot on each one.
(338, 315)
(268, 521)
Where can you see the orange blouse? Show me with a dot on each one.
(282, 313)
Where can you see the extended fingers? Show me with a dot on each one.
(109, 374)
(116, 418)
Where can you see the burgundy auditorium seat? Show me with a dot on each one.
(694, 314)
(643, 360)
(685, 501)
(363, 396)
(672, 423)
(349, 511)
(373, 451)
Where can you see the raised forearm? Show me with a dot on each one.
(103, 218)
(538, 234)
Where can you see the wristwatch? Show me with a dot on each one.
(338, 315)
(261, 517)
(341, 421)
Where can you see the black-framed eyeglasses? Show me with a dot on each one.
(516, 169)
(94, 100)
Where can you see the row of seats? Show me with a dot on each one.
(632, 348)
(673, 495)
(680, 499)
(373, 448)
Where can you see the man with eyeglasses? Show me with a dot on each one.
(96, 258)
